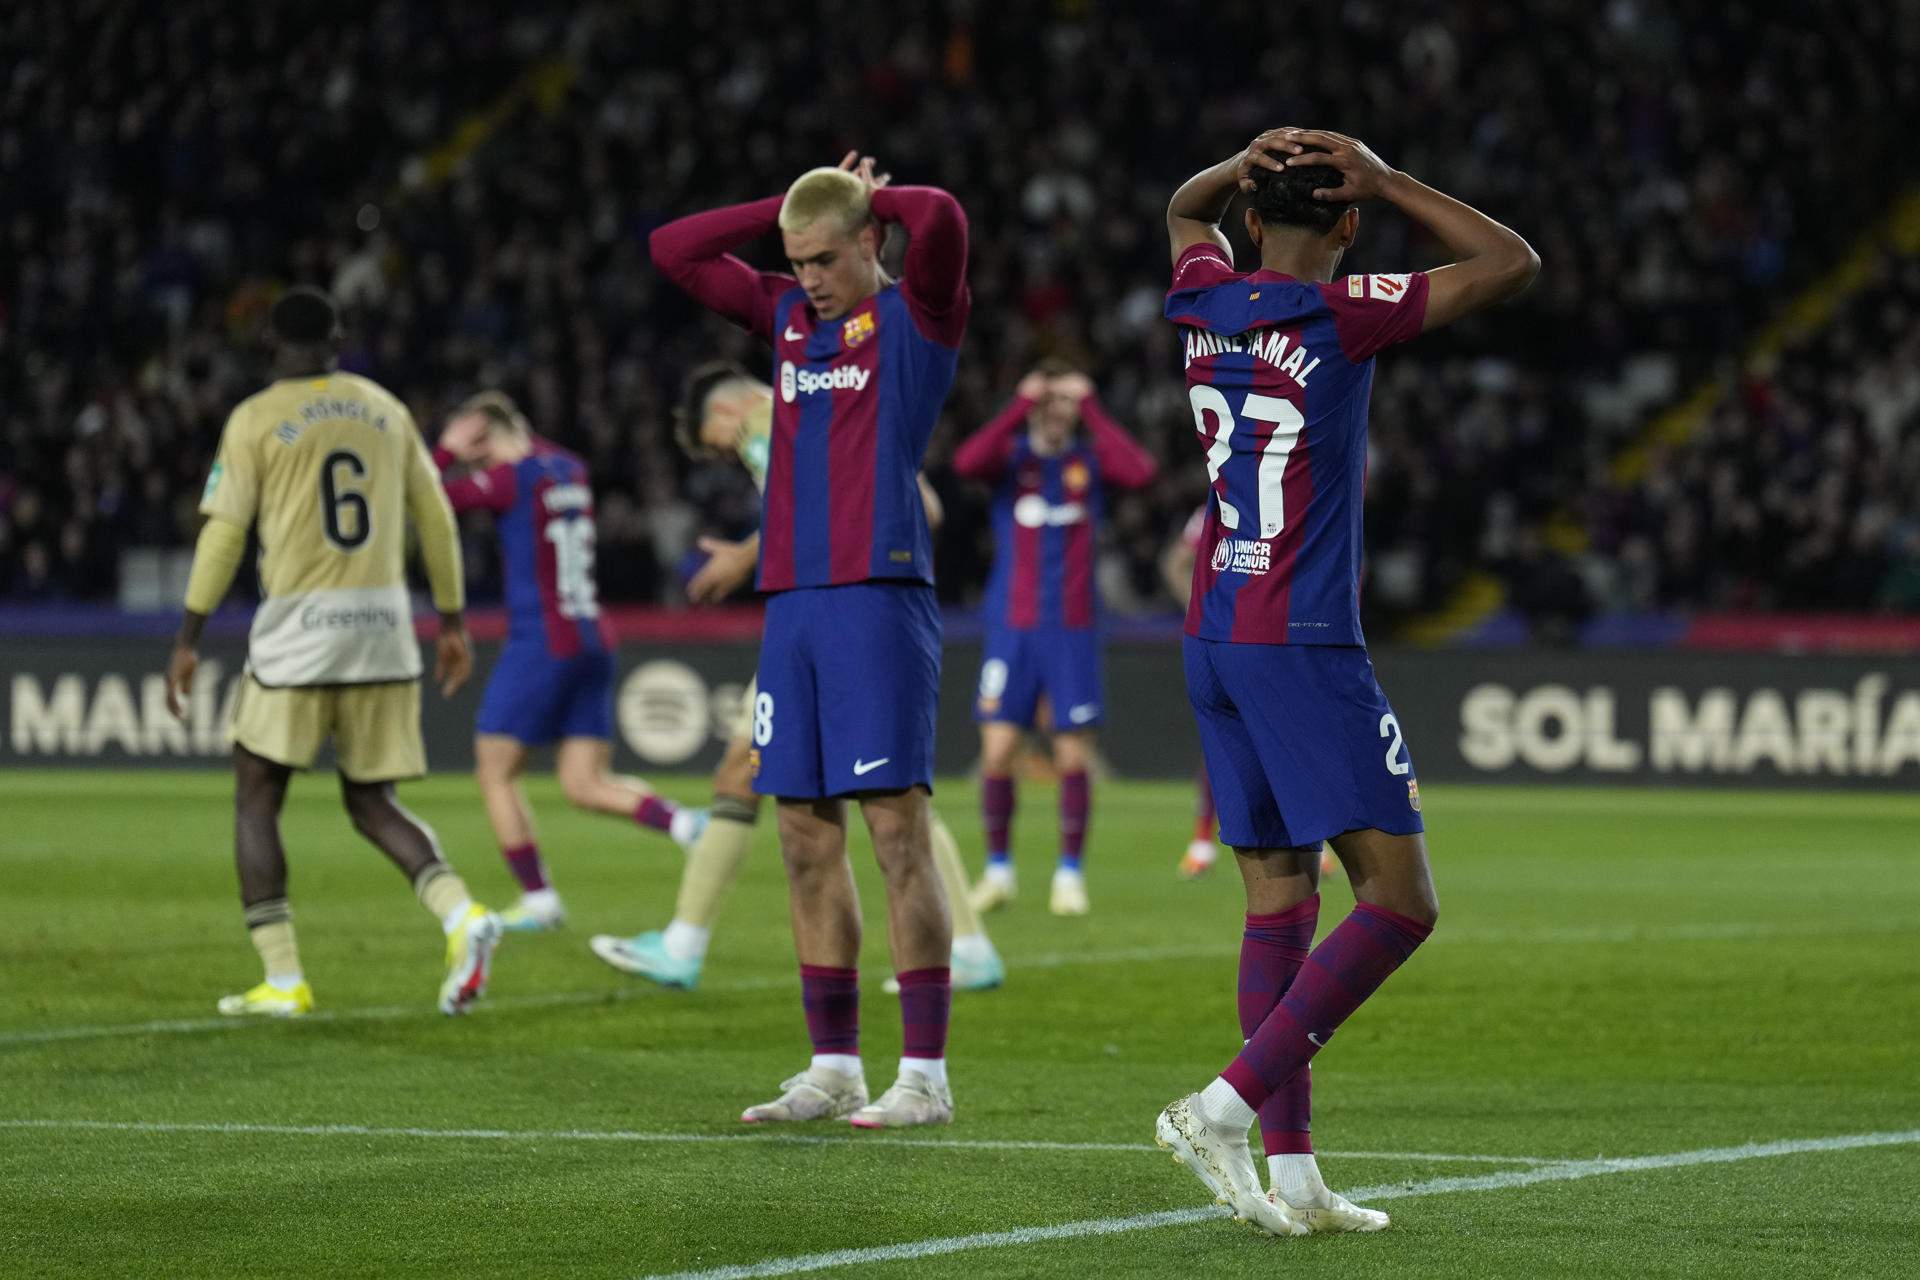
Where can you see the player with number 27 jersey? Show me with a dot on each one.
(1278, 376)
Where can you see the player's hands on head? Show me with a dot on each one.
(1077, 385)
(863, 168)
(1366, 174)
(461, 437)
(1032, 387)
(1267, 151)
(729, 566)
(452, 656)
(180, 669)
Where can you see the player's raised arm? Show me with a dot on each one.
(693, 252)
(934, 275)
(1491, 263)
(984, 454)
(1194, 214)
(482, 488)
(1124, 462)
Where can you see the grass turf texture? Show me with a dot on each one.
(1615, 973)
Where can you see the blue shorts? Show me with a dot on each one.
(849, 691)
(537, 699)
(1020, 666)
(1300, 743)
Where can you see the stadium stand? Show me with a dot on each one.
(481, 233)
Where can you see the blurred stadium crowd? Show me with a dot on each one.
(478, 191)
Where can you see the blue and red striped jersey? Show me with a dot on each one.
(1047, 512)
(543, 513)
(855, 398)
(1279, 372)
(855, 401)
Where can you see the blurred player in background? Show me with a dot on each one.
(331, 469)
(728, 414)
(554, 678)
(1176, 571)
(1050, 479)
(1300, 742)
(850, 659)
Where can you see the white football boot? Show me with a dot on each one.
(1297, 1185)
(537, 911)
(817, 1093)
(1224, 1165)
(1069, 896)
(912, 1100)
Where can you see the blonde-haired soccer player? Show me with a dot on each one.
(728, 413)
(331, 469)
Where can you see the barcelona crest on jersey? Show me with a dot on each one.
(856, 330)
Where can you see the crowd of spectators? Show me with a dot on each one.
(165, 169)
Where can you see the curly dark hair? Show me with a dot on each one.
(1284, 197)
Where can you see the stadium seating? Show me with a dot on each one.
(482, 231)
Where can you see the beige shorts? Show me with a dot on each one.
(375, 727)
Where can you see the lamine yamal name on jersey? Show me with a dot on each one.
(1271, 346)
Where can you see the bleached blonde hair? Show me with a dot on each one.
(826, 193)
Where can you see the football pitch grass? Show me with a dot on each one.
(1656, 1033)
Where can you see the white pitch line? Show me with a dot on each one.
(630, 1135)
(1701, 931)
(1570, 1171)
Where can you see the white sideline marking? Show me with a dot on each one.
(1700, 931)
(629, 1135)
(1569, 1171)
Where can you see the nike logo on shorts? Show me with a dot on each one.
(861, 768)
(1084, 712)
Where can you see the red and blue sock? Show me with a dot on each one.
(1339, 975)
(524, 861)
(1076, 795)
(831, 998)
(655, 813)
(926, 1001)
(1271, 952)
(996, 815)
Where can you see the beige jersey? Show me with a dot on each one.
(330, 469)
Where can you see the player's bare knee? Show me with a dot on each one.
(578, 786)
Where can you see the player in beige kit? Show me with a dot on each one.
(328, 469)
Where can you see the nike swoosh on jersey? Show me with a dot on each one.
(863, 767)
(792, 336)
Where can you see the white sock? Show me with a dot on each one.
(455, 914)
(1000, 872)
(1296, 1178)
(547, 899)
(681, 826)
(685, 941)
(1222, 1107)
(1068, 873)
(285, 981)
(934, 1069)
(847, 1064)
(975, 948)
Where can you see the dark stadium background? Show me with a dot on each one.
(1701, 429)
